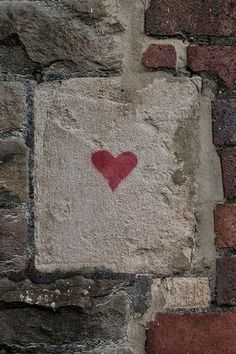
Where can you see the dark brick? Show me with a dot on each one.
(225, 225)
(13, 240)
(160, 56)
(218, 59)
(228, 165)
(195, 17)
(224, 122)
(195, 333)
(226, 281)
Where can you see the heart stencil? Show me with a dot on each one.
(114, 169)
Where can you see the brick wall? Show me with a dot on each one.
(117, 177)
(208, 31)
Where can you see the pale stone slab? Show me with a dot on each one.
(176, 292)
(148, 223)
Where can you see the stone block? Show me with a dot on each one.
(173, 293)
(13, 172)
(13, 240)
(88, 131)
(12, 105)
(64, 36)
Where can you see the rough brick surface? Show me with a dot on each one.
(13, 105)
(13, 236)
(226, 281)
(224, 122)
(195, 333)
(218, 59)
(195, 17)
(225, 225)
(160, 56)
(228, 163)
(13, 172)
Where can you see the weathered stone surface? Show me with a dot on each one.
(147, 224)
(13, 171)
(224, 122)
(76, 291)
(228, 162)
(13, 240)
(160, 56)
(226, 281)
(218, 58)
(52, 33)
(12, 105)
(67, 325)
(181, 293)
(225, 225)
(198, 333)
(40, 326)
(111, 348)
(194, 17)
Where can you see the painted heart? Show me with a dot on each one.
(114, 169)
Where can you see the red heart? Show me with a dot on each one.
(114, 169)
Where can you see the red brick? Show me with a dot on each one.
(226, 281)
(13, 240)
(193, 333)
(160, 56)
(228, 165)
(225, 225)
(218, 59)
(224, 122)
(195, 17)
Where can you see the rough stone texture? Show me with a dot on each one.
(13, 171)
(224, 122)
(198, 333)
(77, 291)
(63, 36)
(12, 105)
(226, 281)
(13, 239)
(160, 56)
(173, 293)
(195, 17)
(225, 225)
(76, 348)
(228, 162)
(65, 326)
(137, 234)
(218, 58)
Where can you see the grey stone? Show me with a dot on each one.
(52, 33)
(13, 240)
(12, 105)
(147, 224)
(77, 291)
(25, 326)
(13, 172)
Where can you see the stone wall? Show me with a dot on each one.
(117, 234)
